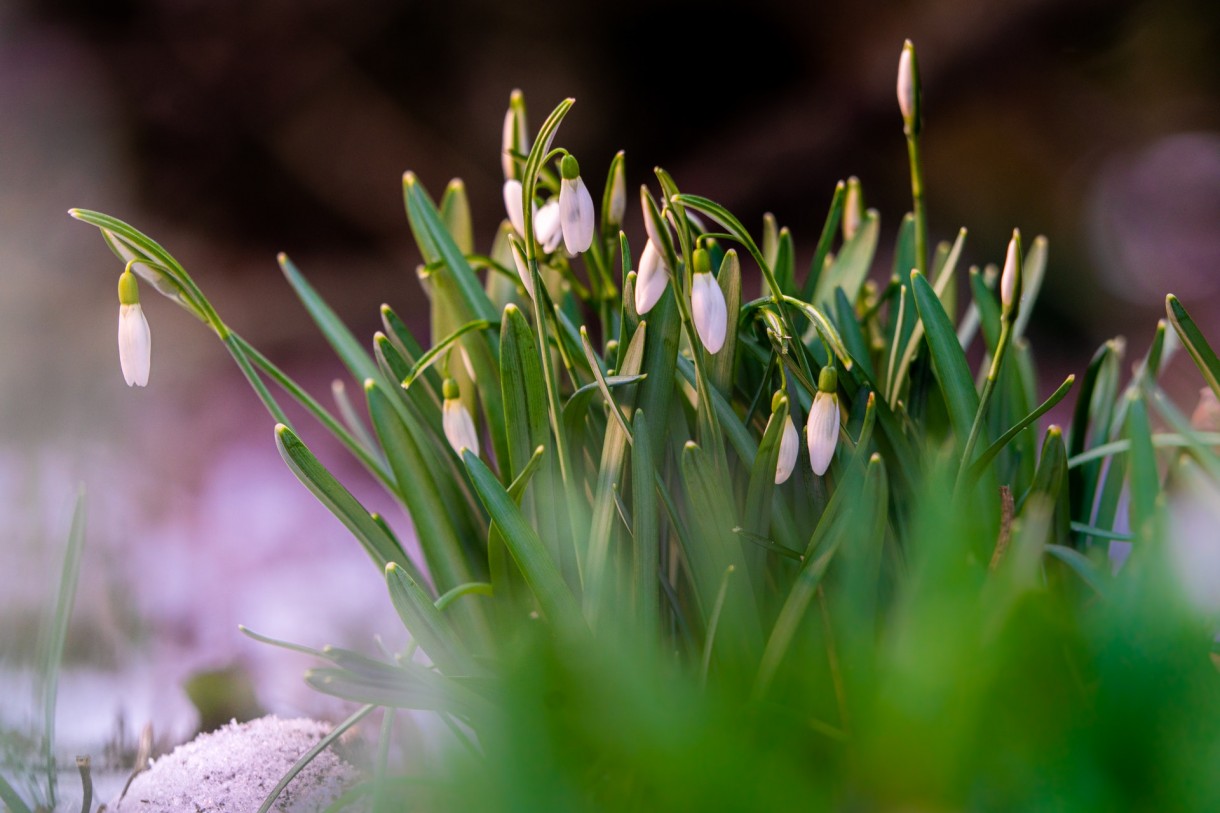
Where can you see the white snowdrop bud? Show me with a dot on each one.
(135, 339)
(789, 447)
(822, 429)
(707, 304)
(908, 86)
(1010, 278)
(651, 279)
(575, 208)
(456, 420)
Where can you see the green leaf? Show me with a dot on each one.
(523, 389)
(428, 626)
(948, 359)
(850, 268)
(852, 334)
(660, 358)
(382, 548)
(1033, 271)
(599, 575)
(756, 519)
(1083, 566)
(455, 214)
(536, 565)
(989, 454)
(429, 358)
(988, 309)
(54, 653)
(403, 445)
(9, 796)
(1192, 338)
(785, 263)
(435, 243)
(1145, 484)
(644, 530)
(716, 551)
(825, 240)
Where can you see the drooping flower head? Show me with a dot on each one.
(456, 420)
(135, 339)
(789, 444)
(575, 208)
(708, 308)
(651, 279)
(822, 429)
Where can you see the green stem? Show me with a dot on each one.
(920, 211)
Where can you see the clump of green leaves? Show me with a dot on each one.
(635, 590)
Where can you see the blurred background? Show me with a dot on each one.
(230, 130)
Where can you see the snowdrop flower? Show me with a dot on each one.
(707, 304)
(651, 280)
(458, 425)
(523, 268)
(822, 430)
(547, 228)
(908, 86)
(512, 205)
(1010, 278)
(575, 208)
(135, 339)
(789, 447)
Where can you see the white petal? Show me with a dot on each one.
(822, 431)
(459, 426)
(547, 229)
(576, 215)
(789, 446)
(906, 84)
(651, 279)
(709, 312)
(523, 269)
(512, 205)
(506, 143)
(135, 345)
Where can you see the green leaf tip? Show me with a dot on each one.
(369, 385)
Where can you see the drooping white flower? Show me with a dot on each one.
(822, 429)
(135, 339)
(707, 304)
(1009, 278)
(456, 420)
(651, 279)
(547, 229)
(575, 208)
(789, 446)
(523, 268)
(512, 205)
